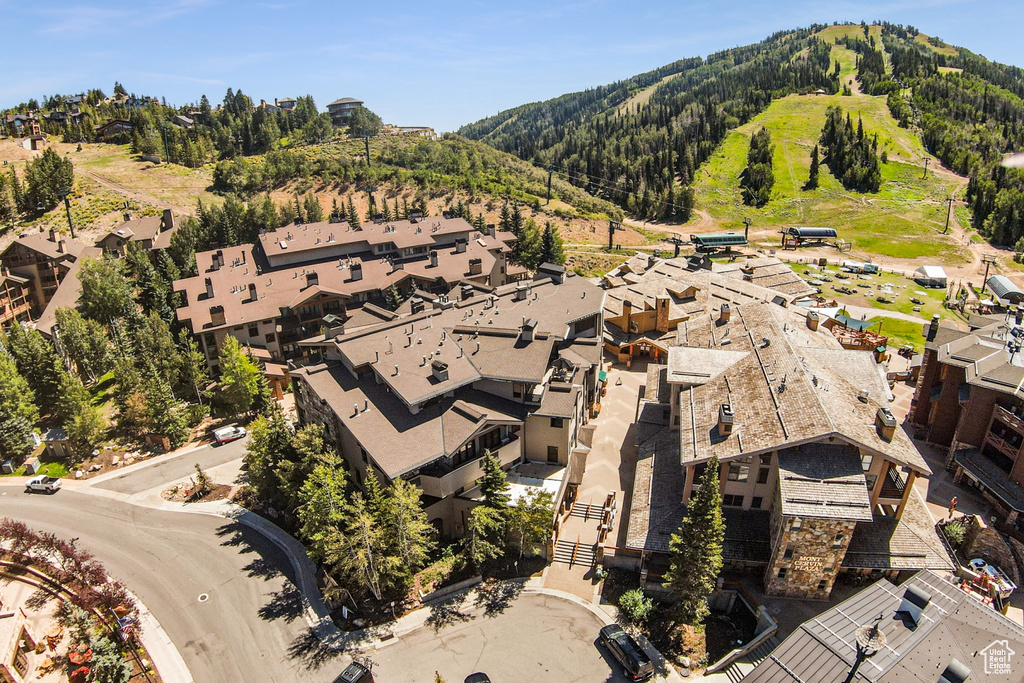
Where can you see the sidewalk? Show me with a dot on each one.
(610, 468)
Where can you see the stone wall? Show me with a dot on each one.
(985, 542)
(817, 548)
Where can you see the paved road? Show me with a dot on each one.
(177, 468)
(536, 638)
(250, 629)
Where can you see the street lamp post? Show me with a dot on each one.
(870, 640)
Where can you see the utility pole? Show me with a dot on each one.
(366, 139)
(612, 227)
(746, 227)
(925, 168)
(948, 211)
(988, 260)
(167, 154)
(67, 208)
(551, 172)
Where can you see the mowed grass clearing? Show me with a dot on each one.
(903, 220)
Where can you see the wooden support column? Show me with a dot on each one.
(907, 492)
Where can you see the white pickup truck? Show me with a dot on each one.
(43, 483)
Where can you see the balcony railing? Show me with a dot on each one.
(1010, 418)
(446, 466)
(893, 486)
(442, 479)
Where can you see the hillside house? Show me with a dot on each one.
(340, 110)
(149, 232)
(15, 298)
(43, 260)
(114, 130)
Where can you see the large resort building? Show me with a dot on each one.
(275, 293)
(422, 397)
(970, 400)
(816, 474)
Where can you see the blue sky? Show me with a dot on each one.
(436, 64)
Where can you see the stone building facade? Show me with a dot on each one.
(808, 555)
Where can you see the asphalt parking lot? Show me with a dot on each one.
(525, 637)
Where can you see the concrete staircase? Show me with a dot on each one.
(586, 511)
(564, 553)
(745, 664)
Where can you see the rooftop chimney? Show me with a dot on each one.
(166, 220)
(217, 315)
(433, 258)
(332, 325)
(312, 278)
(932, 328)
(725, 419)
(886, 423)
(955, 672)
(520, 294)
(60, 246)
(357, 271)
(439, 370)
(209, 288)
(252, 291)
(460, 245)
(529, 327)
(812, 320)
(491, 230)
(476, 266)
(53, 235)
(467, 292)
(914, 602)
(661, 314)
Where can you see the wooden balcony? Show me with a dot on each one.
(894, 485)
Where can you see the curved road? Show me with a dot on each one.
(251, 628)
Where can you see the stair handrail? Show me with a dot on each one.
(755, 642)
(575, 547)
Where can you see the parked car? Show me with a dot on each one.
(627, 652)
(226, 434)
(43, 483)
(907, 351)
(355, 673)
(478, 677)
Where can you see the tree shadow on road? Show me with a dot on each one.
(446, 612)
(496, 596)
(312, 652)
(262, 568)
(286, 604)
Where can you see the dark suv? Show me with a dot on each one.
(355, 673)
(630, 655)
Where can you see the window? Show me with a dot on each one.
(783, 572)
(552, 453)
(362, 452)
(871, 479)
(762, 475)
(823, 584)
(788, 555)
(254, 331)
(732, 501)
(556, 422)
(865, 461)
(756, 502)
(796, 523)
(838, 540)
(738, 472)
(517, 390)
(766, 459)
(271, 338)
(237, 328)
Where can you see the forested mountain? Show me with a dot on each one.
(644, 158)
(968, 111)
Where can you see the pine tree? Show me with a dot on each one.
(239, 377)
(311, 205)
(493, 485)
(759, 178)
(812, 178)
(697, 549)
(300, 214)
(353, 215)
(551, 250)
(18, 413)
